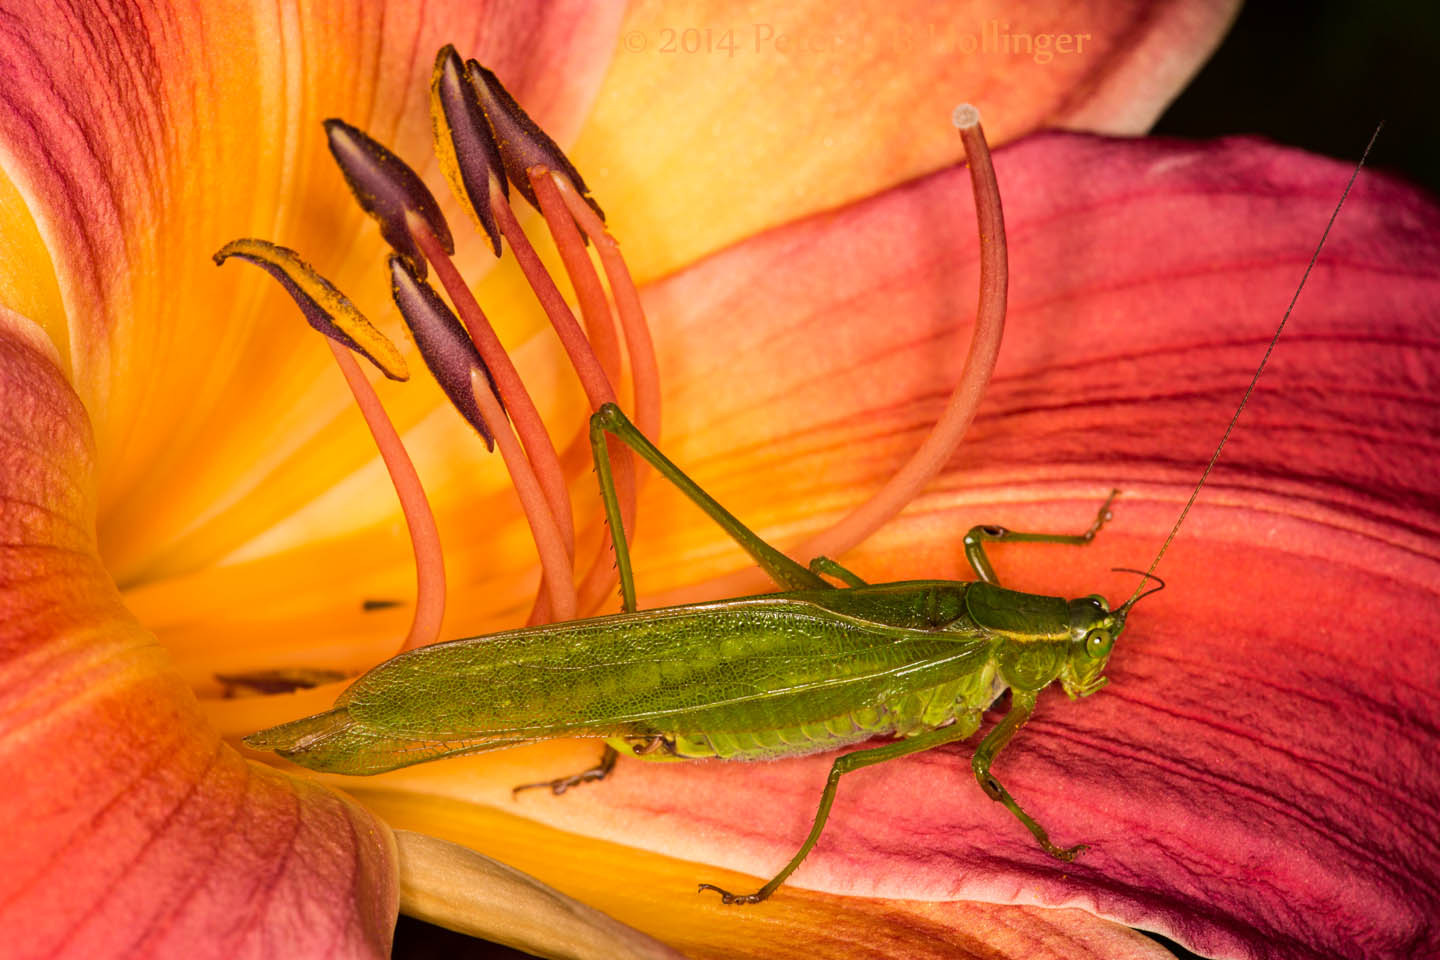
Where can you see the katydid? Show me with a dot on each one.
(812, 668)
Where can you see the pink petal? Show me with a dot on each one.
(128, 826)
(1256, 779)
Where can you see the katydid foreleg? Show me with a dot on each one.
(978, 536)
(609, 419)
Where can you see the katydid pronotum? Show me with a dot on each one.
(809, 669)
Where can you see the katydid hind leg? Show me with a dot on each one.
(610, 419)
(559, 785)
(978, 536)
(825, 565)
(842, 766)
(1022, 704)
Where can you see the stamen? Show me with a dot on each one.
(469, 152)
(587, 367)
(387, 189)
(531, 429)
(523, 146)
(463, 142)
(521, 141)
(326, 309)
(571, 246)
(331, 313)
(419, 518)
(935, 452)
(462, 374)
(644, 371)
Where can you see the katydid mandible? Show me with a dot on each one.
(809, 669)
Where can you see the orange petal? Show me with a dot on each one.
(148, 140)
(129, 827)
(717, 122)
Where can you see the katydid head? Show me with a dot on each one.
(1093, 629)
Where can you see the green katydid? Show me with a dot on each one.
(812, 668)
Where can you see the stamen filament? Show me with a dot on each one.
(419, 520)
(593, 306)
(582, 358)
(644, 370)
(557, 578)
(592, 377)
(539, 449)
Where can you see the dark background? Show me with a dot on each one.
(1320, 75)
(1316, 75)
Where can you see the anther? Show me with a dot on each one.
(325, 308)
(464, 144)
(387, 188)
(443, 343)
(521, 141)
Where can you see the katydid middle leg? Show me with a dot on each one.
(823, 564)
(610, 419)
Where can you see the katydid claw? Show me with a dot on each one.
(731, 898)
(1068, 854)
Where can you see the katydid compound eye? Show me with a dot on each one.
(1098, 643)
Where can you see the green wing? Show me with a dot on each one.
(735, 666)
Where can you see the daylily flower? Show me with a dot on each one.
(185, 492)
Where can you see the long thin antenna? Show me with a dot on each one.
(1258, 370)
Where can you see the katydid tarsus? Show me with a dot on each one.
(808, 669)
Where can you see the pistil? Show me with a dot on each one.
(346, 329)
(927, 461)
(949, 430)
